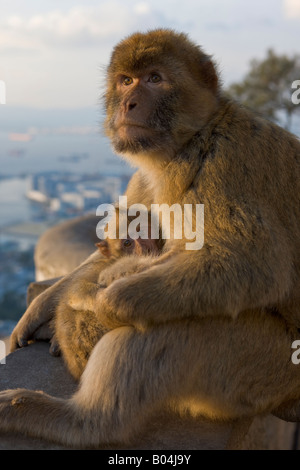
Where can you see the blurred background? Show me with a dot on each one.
(55, 162)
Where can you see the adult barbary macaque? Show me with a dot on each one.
(205, 332)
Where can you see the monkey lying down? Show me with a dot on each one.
(214, 327)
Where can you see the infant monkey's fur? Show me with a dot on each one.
(205, 332)
(76, 329)
(117, 247)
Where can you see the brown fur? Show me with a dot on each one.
(198, 332)
(75, 327)
(123, 245)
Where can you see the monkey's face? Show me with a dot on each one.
(161, 90)
(139, 246)
(142, 112)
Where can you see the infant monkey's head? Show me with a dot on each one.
(117, 248)
(122, 246)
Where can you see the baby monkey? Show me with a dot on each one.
(124, 245)
(76, 329)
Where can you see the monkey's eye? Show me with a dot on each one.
(127, 81)
(127, 243)
(154, 78)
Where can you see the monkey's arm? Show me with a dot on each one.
(82, 293)
(43, 307)
(220, 279)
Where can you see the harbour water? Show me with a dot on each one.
(14, 206)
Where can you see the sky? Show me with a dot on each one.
(53, 53)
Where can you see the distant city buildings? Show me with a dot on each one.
(68, 194)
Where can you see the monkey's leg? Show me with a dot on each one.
(128, 377)
(77, 329)
(77, 333)
(222, 369)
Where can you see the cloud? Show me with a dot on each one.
(79, 26)
(53, 53)
(291, 8)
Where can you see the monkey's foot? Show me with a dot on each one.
(36, 414)
(15, 405)
(289, 412)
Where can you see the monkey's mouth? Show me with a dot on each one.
(135, 138)
(132, 131)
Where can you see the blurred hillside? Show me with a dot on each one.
(268, 89)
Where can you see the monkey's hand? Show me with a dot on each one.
(55, 346)
(140, 299)
(34, 323)
(126, 271)
(124, 267)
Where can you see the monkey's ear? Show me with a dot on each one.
(209, 74)
(104, 248)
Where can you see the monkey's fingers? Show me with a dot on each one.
(24, 331)
(17, 341)
(54, 348)
(31, 324)
(19, 338)
(140, 300)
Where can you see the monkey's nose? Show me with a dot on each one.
(131, 106)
